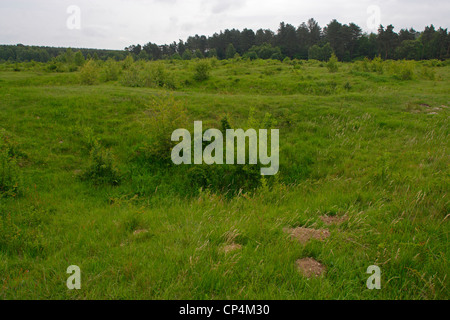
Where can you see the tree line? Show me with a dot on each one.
(23, 53)
(307, 41)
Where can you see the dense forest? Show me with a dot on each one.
(308, 41)
(22, 53)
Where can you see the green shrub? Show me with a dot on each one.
(377, 65)
(158, 76)
(101, 168)
(132, 77)
(111, 70)
(89, 73)
(202, 70)
(187, 55)
(231, 179)
(365, 65)
(332, 63)
(52, 67)
(151, 76)
(176, 56)
(127, 62)
(404, 70)
(159, 121)
(250, 55)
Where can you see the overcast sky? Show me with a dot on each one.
(114, 24)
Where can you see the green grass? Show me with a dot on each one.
(355, 142)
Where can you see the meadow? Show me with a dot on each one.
(86, 179)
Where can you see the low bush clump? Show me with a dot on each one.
(111, 70)
(403, 70)
(202, 70)
(332, 64)
(89, 73)
(150, 76)
(101, 168)
(163, 117)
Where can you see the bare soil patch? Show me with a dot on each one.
(310, 267)
(303, 235)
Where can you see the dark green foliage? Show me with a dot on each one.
(159, 121)
(231, 51)
(89, 74)
(265, 51)
(332, 64)
(101, 168)
(202, 70)
(187, 55)
(320, 53)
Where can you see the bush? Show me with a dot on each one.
(365, 65)
(127, 62)
(142, 75)
(159, 121)
(89, 73)
(332, 64)
(277, 56)
(131, 77)
(231, 179)
(377, 65)
(111, 70)
(403, 70)
(101, 168)
(320, 53)
(202, 70)
(157, 76)
(251, 55)
(187, 55)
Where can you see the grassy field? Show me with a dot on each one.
(86, 180)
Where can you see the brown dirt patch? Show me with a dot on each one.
(231, 247)
(310, 267)
(333, 219)
(303, 235)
